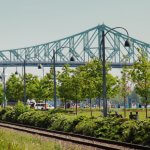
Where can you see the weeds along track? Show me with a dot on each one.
(74, 138)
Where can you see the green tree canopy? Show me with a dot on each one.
(14, 88)
(32, 85)
(46, 87)
(140, 75)
(64, 81)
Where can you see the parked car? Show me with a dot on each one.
(43, 106)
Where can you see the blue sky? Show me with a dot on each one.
(30, 22)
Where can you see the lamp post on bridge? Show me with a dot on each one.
(54, 67)
(104, 88)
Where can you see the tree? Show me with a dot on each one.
(14, 88)
(46, 88)
(134, 97)
(124, 86)
(87, 76)
(91, 79)
(140, 75)
(32, 85)
(75, 88)
(64, 84)
(69, 85)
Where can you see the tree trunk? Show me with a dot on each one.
(91, 107)
(76, 106)
(65, 104)
(124, 107)
(146, 109)
(146, 106)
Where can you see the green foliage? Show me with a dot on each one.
(143, 133)
(64, 80)
(12, 114)
(20, 108)
(59, 124)
(45, 89)
(129, 131)
(112, 86)
(32, 86)
(124, 83)
(110, 128)
(86, 127)
(4, 110)
(140, 75)
(134, 96)
(27, 118)
(14, 88)
(57, 110)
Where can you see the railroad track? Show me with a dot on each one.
(75, 138)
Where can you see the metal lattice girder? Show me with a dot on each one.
(82, 46)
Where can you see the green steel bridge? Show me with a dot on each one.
(83, 46)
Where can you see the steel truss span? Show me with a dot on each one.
(83, 47)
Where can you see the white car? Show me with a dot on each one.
(43, 106)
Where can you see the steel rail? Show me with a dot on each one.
(70, 137)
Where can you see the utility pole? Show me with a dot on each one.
(4, 84)
(24, 65)
(54, 67)
(104, 75)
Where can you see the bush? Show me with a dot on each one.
(129, 131)
(69, 125)
(120, 129)
(109, 128)
(86, 127)
(9, 116)
(78, 119)
(20, 108)
(26, 118)
(4, 110)
(12, 114)
(143, 133)
(58, 124)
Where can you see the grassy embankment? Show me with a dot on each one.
(14, 140)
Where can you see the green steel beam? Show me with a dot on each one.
(83, 47)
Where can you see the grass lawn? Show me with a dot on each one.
(96, 112)
(15, 140)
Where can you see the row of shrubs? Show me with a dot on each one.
(119, 129)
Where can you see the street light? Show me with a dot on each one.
(40, 66)
(127, 44)
(54, 67)
(2, 77)
(16, 72)
(24, 80)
